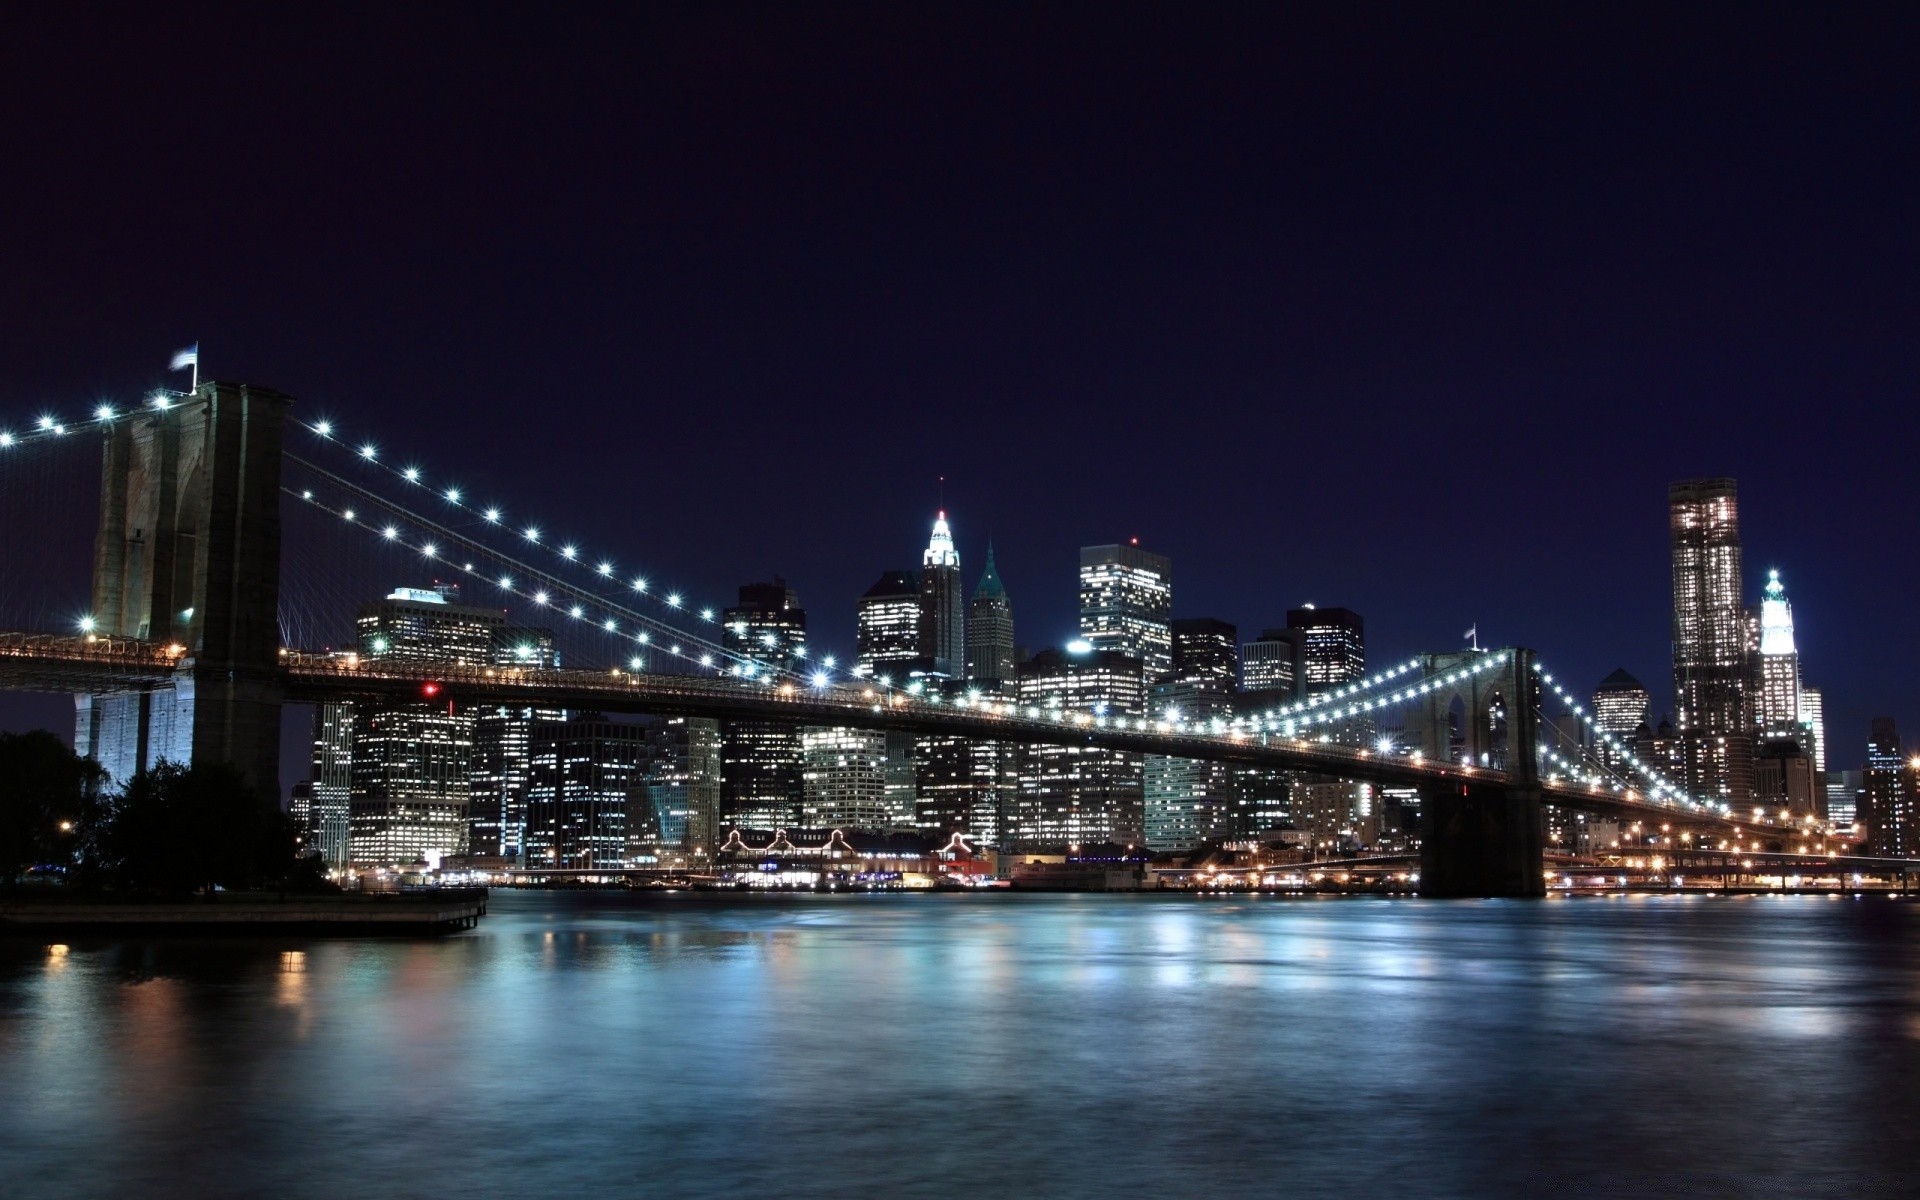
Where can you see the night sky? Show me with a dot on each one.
(1412, 310)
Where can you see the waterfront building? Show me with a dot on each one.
(1080, 795)
(503, 751)
(1187, 801)
(329, 809)
(943, 607)
(760, 785)
(1710, 635)
(1126, 604)
(408, 792)
(1879, 804)
(682, 785)
(887, 637)
(586, 783)
(990, 645)
(844, 773)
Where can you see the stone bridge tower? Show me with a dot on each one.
(188, 552)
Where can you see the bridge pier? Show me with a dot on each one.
(188, 552)
(1481, 841)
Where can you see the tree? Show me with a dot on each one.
(48, 802)
(179, 829)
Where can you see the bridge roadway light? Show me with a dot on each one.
(324, 429)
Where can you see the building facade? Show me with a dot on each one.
(1711, 715)
(586, 785)
(1126, 605)
(1076, 796)
(990, 644)
(943, 606)
(887, 636)
(760, 784)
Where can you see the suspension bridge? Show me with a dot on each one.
(185, 651)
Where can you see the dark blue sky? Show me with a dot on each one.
(1415, 310)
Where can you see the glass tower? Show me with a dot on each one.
(1126, 604)
(760, 785)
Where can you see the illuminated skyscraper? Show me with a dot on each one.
(887, 638)
(1269, 667)
(1333, 647)
(1777, 713)
(844, 774)
(1126, 604)
(1709, 640)
(408, 796)
(503, 751)
(760, 786)
(1880, 803)
(990, 646)
(1620, 706)
(943, 606)
(588, 778)
(1188, 801)
(1081, 795)
(1813, 720)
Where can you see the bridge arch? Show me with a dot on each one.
(1499, 708)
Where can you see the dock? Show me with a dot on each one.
(431, 912)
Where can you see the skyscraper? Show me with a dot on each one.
(1620, 709)
(887, 637)
(1081, 795)
(1333, 647)
(760, 785)
(990, 646)
(844, 773)
(943, 606)
(586, 783)
(503, 751)
(1709, 643)
(1878, 805)
(1188, 801)
(1269, 666)
(1777, 713)
(683, 784)
(1126, 604)
(408, 795)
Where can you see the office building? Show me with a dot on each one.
(1710, 640)
(1879, 805)
(1843, 790)
(1269, 667)
(943, 606)
(760, 785)
(503, 751)
(1777, 711)
(844, 776)
(330, 807)
(1126, 604)
(682, 786)
(1074, 796)
(1619, 709)
(1333, 647)
(990, 645)
(887, 638)
(408, 793)
(1187, 801)
(587, 780)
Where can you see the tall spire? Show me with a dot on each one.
(1776, 618)
(940, 550)
(990, 584)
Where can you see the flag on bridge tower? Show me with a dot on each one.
(1473, 634)
(190, 357)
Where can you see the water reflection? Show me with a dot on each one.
(606, 1044)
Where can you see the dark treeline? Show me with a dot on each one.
(172, 831)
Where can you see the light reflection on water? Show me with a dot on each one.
(608, 1045)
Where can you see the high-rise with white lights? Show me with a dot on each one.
(887, 635)
(943, 605)
(408, 795)
(1333, 647)
(1072, 795)
(760, 785)
(1777, 710)
(1188, 801)
(1126, 604)
(1709, 640)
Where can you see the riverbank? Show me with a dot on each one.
(445, 910)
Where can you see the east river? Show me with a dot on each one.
(586, 1044)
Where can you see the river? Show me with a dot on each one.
(598, 1044)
